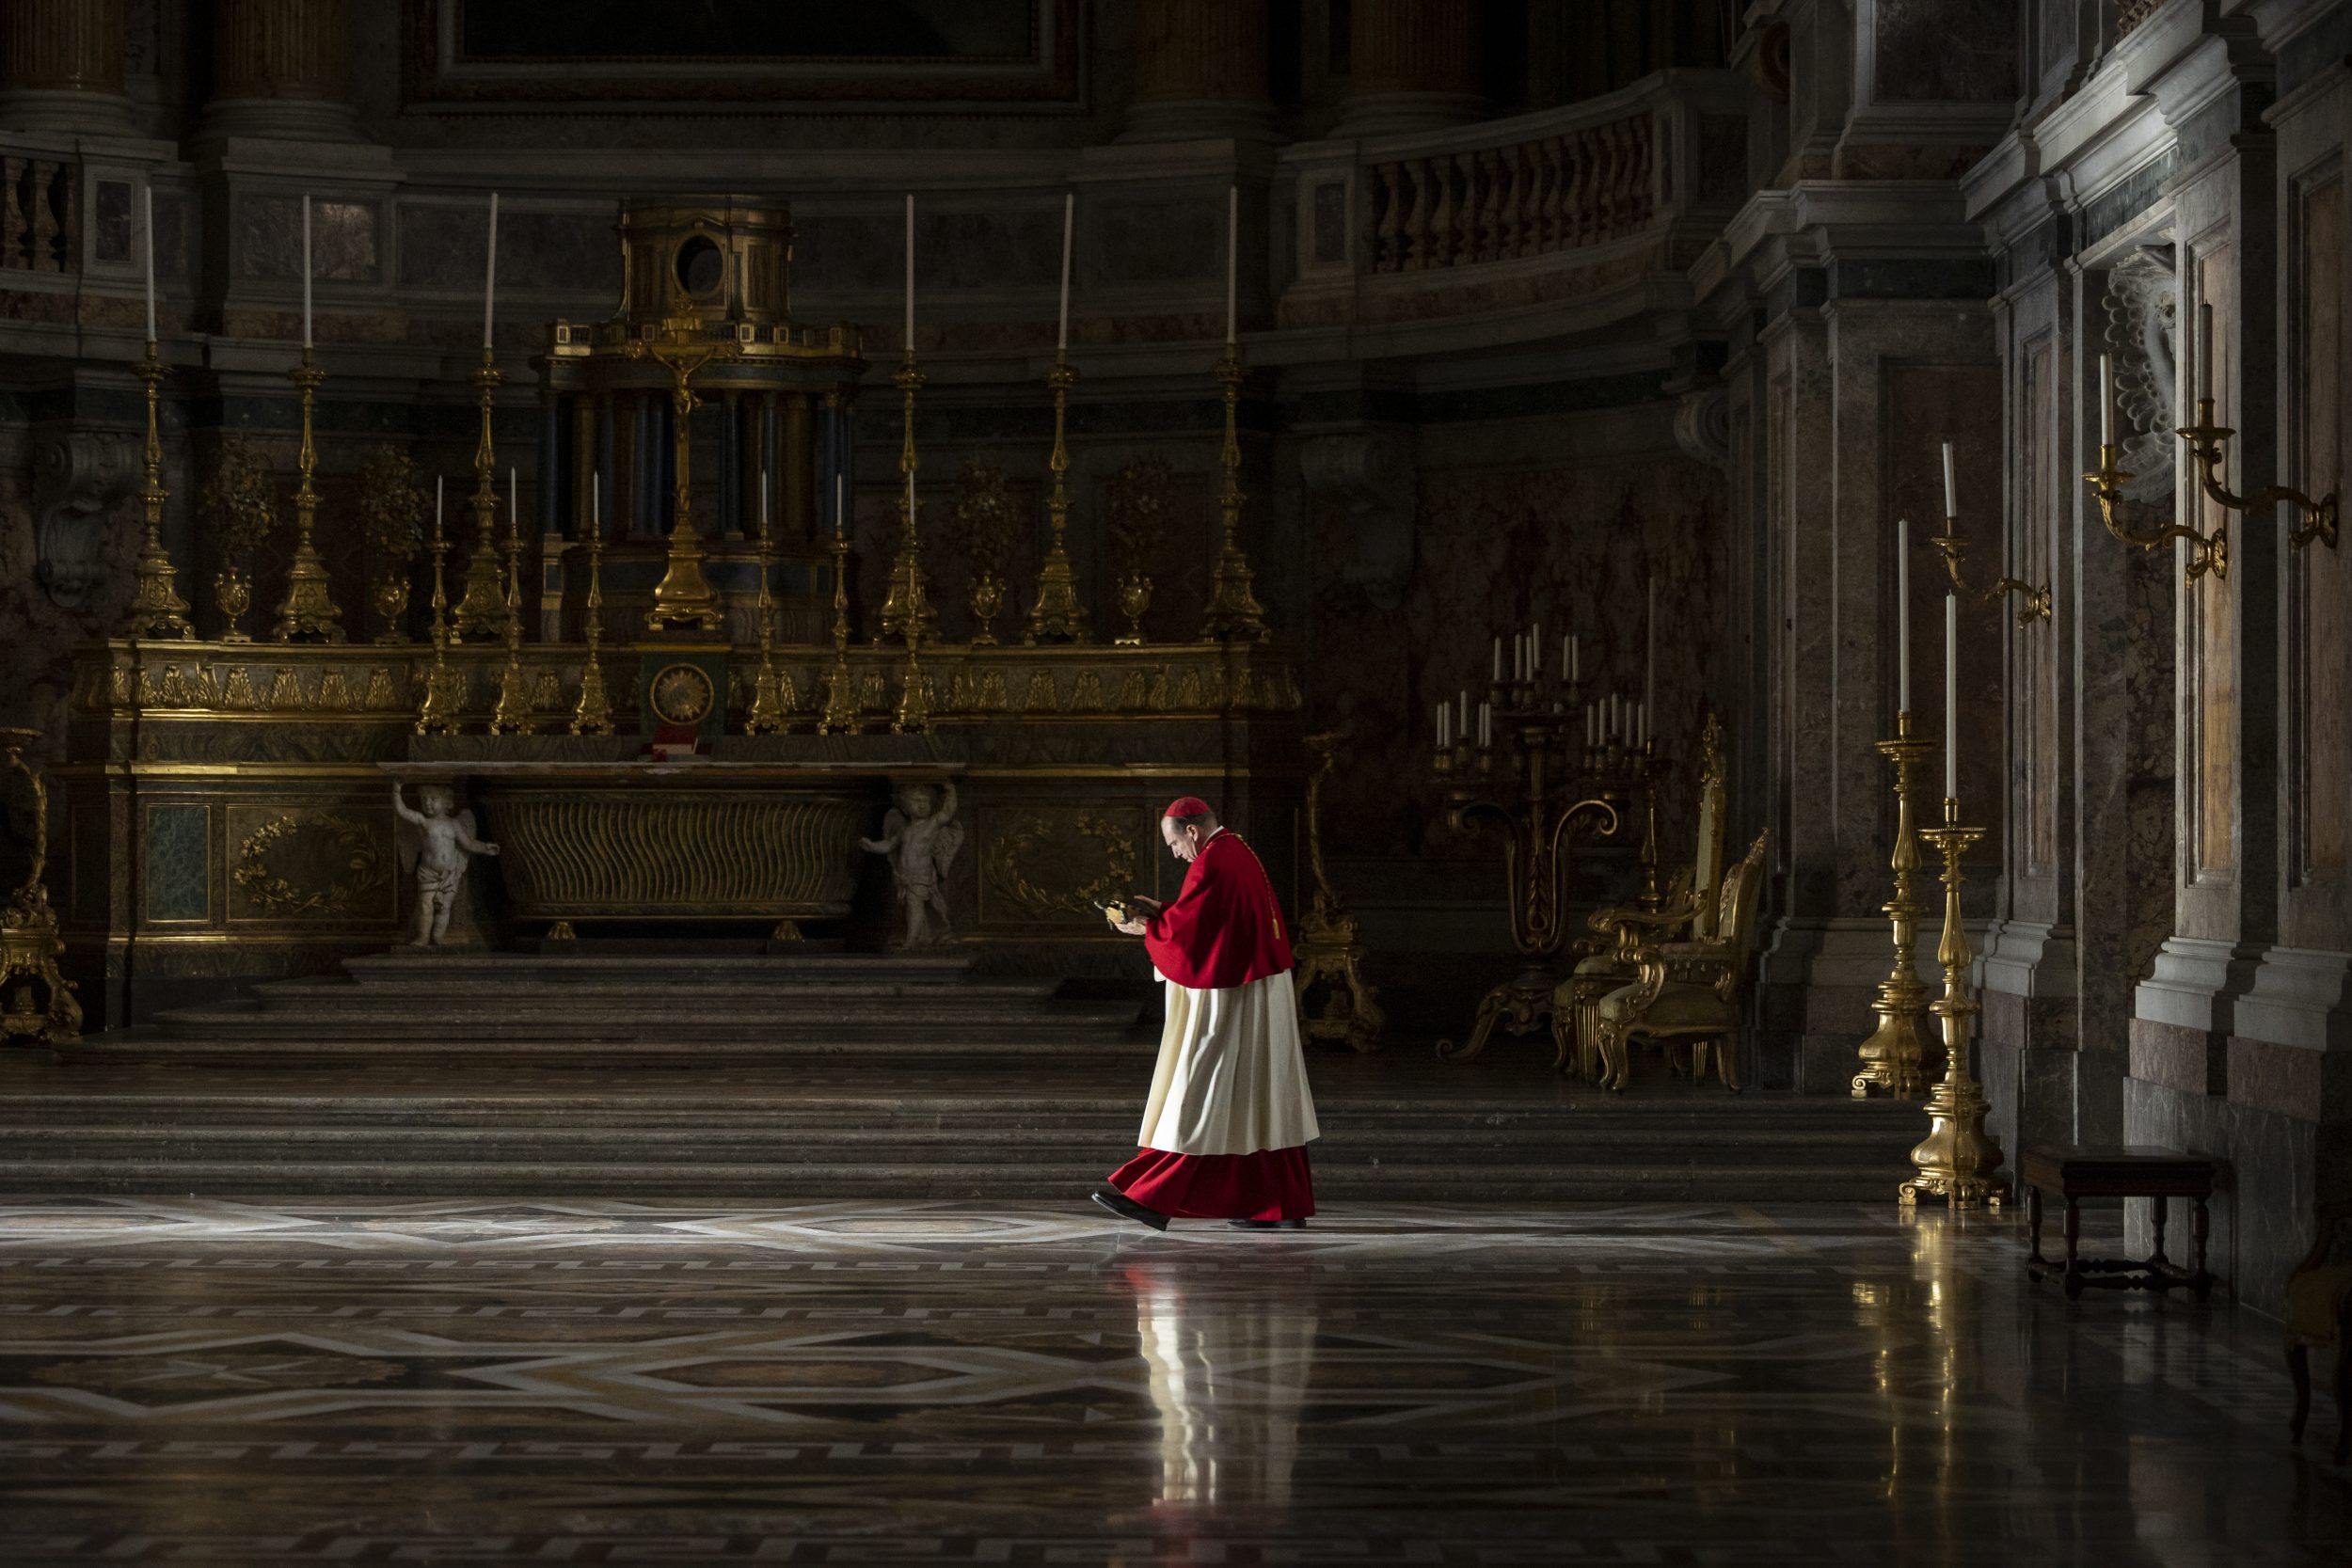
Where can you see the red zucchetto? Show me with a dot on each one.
(1190, 805)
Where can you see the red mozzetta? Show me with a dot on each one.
(1224, 928)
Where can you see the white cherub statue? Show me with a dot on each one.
(922, 838)
(438, 851)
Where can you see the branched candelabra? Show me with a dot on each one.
(157, 611)
(1958, 1158)
(1892, 1055)
(1522, 773)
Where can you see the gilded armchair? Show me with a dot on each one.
(1687, 912)
(2319, 1312)
(1691, 990)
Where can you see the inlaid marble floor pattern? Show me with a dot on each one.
(435, 1382)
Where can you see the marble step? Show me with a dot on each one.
(1338, 1180)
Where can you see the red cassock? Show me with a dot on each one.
(1229, 1093)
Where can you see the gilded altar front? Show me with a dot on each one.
(227, 815)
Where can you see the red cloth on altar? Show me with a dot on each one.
(1272, 1184)
(1224, 928)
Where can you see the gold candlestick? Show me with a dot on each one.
(29, 943)
(481, 613)
(444, 687)
(1892, 1055)
(1234, 613)
(592, 713)
(1958, 1157)
(1057, 615)
(512, 713)
(684, 599)
(157, 611)
(767, 714)
(1649, 767)
(841, 703)
(308, 614)
(906, 600)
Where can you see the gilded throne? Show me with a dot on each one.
(1694, 990)
(1688, 910)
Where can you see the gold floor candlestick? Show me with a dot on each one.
(592, 713)
(308, 614)
(1958, 1158)
(1651, 768)
(1234, 613)
(157, 610)
(29, 943)
(444, 685)
(1058, 616)
(1892, 1055)
(481, 613)
(841, 703)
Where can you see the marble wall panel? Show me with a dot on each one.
(2211, 611)
(865, 253)
(179, 863)
(2038, 727)
(1945, 51)
(441, 246)
(2319, 785)
(1139, 241)
(344, 244)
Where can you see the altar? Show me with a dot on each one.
(672, 721)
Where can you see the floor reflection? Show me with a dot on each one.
(1228, 1378)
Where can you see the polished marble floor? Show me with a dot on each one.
(439, 1381)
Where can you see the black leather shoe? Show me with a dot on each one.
(1128, 1209)
(1267, 1225)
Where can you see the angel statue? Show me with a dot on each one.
(922, 837)
(438, 849)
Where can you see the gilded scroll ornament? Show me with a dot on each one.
(1050, 865)
(38, 1001)
(1335, 1003)
(1137, 513)
(979, 524)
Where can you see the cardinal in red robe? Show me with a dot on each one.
(1226, 1130)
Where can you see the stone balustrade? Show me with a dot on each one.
(37, 215)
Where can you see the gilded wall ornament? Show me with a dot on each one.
(294, 863)
(235, 509)
(394, 512)
(981, 524)
(1137, 513)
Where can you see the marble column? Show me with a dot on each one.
(61, 67)
(1412, 66)
(279, 70)
(1200, 71)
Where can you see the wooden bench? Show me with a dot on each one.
(2072, 1173)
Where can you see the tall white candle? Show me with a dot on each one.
(1485, 724)
(1567, 656)
(1951, 698)
(910, 501)
(1951, 497)
(2106, 400)
(1902, 615)
(840, 516)
(1592, 726)
(2208, 372)
(1498, 674)
(910, 327)
(490, 272)
(148, 194)
(763, 504)
(1649, 657)
(306, 269)
(1232, 256)
(1462, 714)
(596, 500)
(1068, 219)
(1535, 651)
(1442, 715)
(438, 481)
